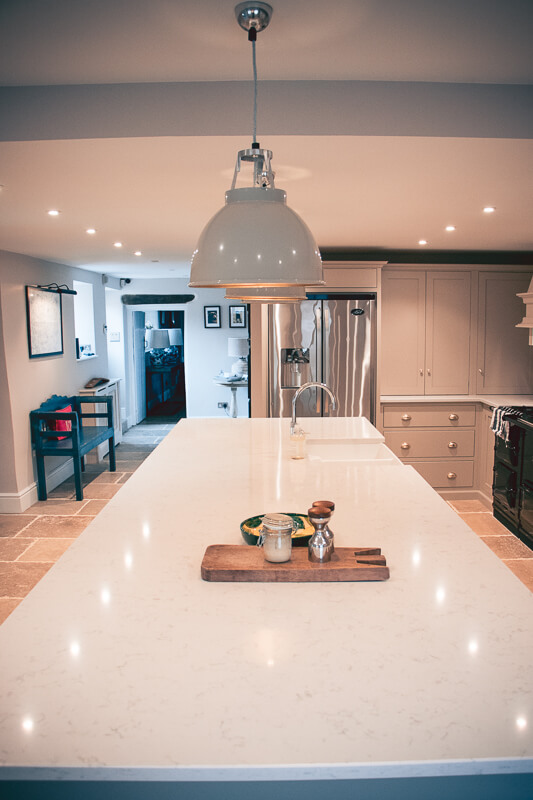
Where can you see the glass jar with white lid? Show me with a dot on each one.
(276, 537)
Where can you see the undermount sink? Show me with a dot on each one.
(346, 450)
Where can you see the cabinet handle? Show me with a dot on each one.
(406, 417)
(421, 372)
(452, 445)
(452, 476)
(480, 371)
(405, 445)
(453, 417)
(429, 372)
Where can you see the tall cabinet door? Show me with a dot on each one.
(403, 327)
(447, 332)
(505, 359)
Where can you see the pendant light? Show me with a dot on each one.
(256, 240)
(267, 294)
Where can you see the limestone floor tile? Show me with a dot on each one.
(11, 524)
(7, 605)
(18, 579)
(46, 550)
(107, 477)
(57, 527)
(523, 569)
(100, 491)
(484, 524)
(508, 546)
(125, 477)
(91, 509)
(467, 506)
(11, 549)
(56, 507)
(131, 466)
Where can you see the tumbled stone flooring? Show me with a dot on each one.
(515, 554)
(30, 543)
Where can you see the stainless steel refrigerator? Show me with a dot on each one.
(329, 338)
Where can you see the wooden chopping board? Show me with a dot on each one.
(241, 563)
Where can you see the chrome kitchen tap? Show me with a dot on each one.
(299, 391)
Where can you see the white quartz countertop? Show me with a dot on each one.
(123, 661)
(486, 399)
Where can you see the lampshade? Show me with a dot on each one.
(176, 336)
(267, 294)
(158, 339)
(256, 240)
(238, 347)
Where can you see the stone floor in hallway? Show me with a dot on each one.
(30, 543)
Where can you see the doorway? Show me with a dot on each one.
(165, 366)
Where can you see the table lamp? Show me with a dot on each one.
(240, 348)
(158, 339)
(175, 336)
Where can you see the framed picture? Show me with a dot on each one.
(44, 316)
(237, 316)
(211, 316)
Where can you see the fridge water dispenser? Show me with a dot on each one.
(294, 367)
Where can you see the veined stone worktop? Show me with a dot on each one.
(123, 665)
(485, 399)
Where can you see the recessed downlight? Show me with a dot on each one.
(450, 228)
(91, 231)
(117, 244)
(489, 210)
(422, 241)
(53, 212)
(137, 253)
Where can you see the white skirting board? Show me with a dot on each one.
(18, 502)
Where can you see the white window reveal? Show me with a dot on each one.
(84, 320)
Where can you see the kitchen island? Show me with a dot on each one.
(126, 673)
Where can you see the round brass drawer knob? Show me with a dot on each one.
(453, 417)
(405, 445)
(452, 445)
(452, 476)
(406, 417)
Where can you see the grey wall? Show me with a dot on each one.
(30, 381)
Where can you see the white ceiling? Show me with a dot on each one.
(388, 120)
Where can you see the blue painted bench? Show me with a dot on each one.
(58, 432)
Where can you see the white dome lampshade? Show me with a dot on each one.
(267, 294)
(256, 240)
(240, 348)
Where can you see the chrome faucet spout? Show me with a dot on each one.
(310, 385)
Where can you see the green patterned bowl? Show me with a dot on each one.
(300, 536)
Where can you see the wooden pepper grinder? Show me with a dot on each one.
(320, 548)
(328, 532)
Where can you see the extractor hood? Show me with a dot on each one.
(527, 322)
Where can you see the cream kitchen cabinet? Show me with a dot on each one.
(504, 357)
(437, 439)
(425, 332)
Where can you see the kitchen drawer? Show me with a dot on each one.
(433, 415)
(431, 444)
(446, 474)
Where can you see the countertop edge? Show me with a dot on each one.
(291, 772)
(486, 400)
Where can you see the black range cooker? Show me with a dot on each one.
(512, 487)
